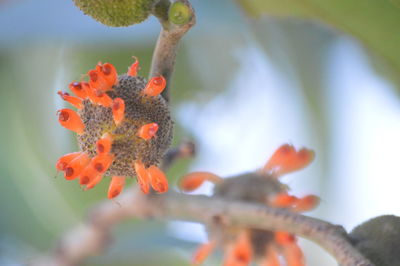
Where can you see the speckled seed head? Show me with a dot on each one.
(242, 245)
(117, 13)
(127, 145)
(250, 187)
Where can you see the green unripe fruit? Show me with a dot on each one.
(179, 13)
(117, 13)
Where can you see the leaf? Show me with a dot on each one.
(374, 22)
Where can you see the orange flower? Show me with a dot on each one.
(117, 121)
(243, 245)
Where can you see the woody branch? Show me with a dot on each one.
(168, 40)
(91, 237)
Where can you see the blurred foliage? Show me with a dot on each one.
(373, 22)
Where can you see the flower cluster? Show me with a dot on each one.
(243, 245)
(123, 128)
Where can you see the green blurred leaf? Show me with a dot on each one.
(375, 23)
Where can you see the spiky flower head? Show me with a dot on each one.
(243, 245)
(123, 126)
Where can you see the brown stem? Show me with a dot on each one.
(92, 237)
(205, 209)
(167, 44)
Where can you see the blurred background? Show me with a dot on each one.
(250, 76)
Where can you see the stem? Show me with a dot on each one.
(167, 44)
(92, 237)
(203, 209)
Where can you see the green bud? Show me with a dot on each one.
(378, 240)
(117, 13)
(179, 13)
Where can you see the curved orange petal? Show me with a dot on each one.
(194, 180)
(271, 257)
(158, 180)
(104, 144)
(286, 159)
(243, 250)
(298, 161)
(78, 89)
(102, 162)
(64, 160)
(76, 166)
(155, 86)
(284, 238)
(109, 74)
(87, 175)
(118, 110)
(148, 131)
(71, 120)
(133, 69)
(279, 157)
(142, 175)
(203, 252)
(283, 200)
(92, 183)
(293, 255)
(306, 203)
(97, 80)
(75, 101)
(116, 185)
(97, 96)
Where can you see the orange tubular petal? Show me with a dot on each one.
(279, 157)
(102, 162)
(76, 166)
(155, 86)
(293, 255)
(97, 80)
(118, 110)
(88, 174)
(230, 258)
(97, 96)
(143, 177)
(75, 101)
(133, 69)
(104, 144)
(243, 251)
(271, 257)
(71, 120)
(301, 159)
(286, 159)
(283, 200)
(116, 186)
(306, 203)
(94, 182)
(109, 73)
(194, 180)
(78, 89)
(203, 252)
(284, 238)
(63, 162)
(148, 131)
(158, 180)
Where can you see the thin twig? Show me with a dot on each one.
(167, 44)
